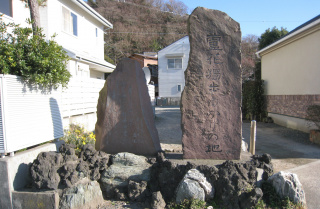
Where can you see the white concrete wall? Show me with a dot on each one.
(293, 69)
(15, 171)
(169, 79)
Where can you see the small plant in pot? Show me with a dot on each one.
(313, 116)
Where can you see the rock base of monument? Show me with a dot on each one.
(157, 183)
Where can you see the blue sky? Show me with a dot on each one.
(255, 16)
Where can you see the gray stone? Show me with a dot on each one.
(251, 198)
(211, 99)
(86, 194)
(157, 201)
(194, 185)
(260, 172)
(125, 121)
(138, 191)
(125, 167)
(189, 189)
(32, 200)
(288, 185)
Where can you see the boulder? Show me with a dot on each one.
(63, 170)
(92, 162)
(189, 189)
(85, 195)
(157, 201)
(124, 167)
(250, 199)
(44, 170)
(166, 176)
(194, 185)
(288, 185)
(138, 191)
(234, 179)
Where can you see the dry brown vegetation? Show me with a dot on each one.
(141, 25)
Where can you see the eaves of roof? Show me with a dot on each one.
(301, 31)
(172, 43)
(92, 12)
(144, 56)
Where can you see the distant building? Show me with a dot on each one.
(172, 62)
(291, 72)
(146, 58)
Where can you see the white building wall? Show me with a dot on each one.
(169, 79)
(86, 41)
(19, 13)
(96, 74)
(293, 69)
(90, 39)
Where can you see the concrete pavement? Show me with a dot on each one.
(309, 177)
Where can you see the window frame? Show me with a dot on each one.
(179, 89)
(69, 22)
(175, 64)
(9, 2)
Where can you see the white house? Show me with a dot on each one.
(172, 62)
(80, 31)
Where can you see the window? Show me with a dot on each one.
(96, 32)
(70, 22)
(175, 63)
(6, 7)
(179, 88)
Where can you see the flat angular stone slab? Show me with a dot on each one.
(211, 100)
(125, 121)
(31, 200)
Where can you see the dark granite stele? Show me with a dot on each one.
(211, 100)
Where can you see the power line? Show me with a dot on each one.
(146, 33)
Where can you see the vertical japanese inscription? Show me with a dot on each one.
(212, 76)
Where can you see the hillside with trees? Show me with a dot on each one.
(141, 25)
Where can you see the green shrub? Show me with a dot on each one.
(189, 204)
(253, 100)
(78, 136)
(31, 56)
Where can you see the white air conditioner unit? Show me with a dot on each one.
(29, 115)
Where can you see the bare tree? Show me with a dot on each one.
(249, 47)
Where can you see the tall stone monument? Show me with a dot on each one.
(211, 99)
(125, 121)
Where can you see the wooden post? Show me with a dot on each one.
(253, 137)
